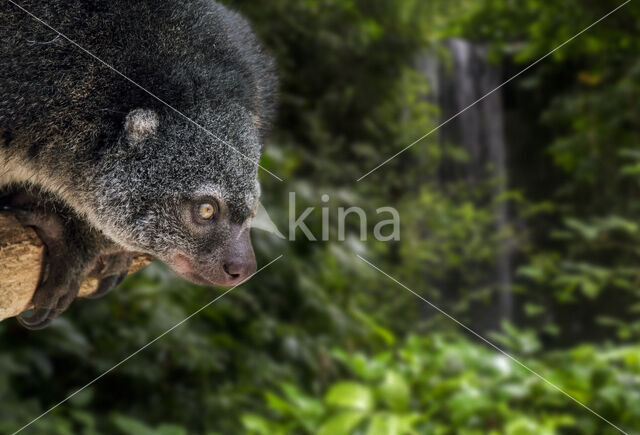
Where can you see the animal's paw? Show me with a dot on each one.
(111, 269)
(51, 298)
(70, 245)
(60, 282)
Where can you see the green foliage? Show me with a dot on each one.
(580, 266)
(431, 385)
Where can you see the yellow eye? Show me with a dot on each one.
(206, 210)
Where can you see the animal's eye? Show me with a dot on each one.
(207, 210)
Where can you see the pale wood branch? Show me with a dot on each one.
(20, 260)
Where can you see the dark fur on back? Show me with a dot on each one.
(63, 113)
(192, 54)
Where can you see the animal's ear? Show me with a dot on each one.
(139, 125)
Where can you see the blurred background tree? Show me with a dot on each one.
(519, 218)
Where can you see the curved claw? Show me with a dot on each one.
(107, 284)
(40, 319)
(121, 278)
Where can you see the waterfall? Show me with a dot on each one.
(455, 85)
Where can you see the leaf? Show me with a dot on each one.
(619, 223)
(533, 272)
(385, 424)
(532, 309)
(82, 398)
(366, 368)
(342, 424)
(589, 288)
(395, 391)
(128, 425)
(350, 395)
(385, 334)
(521, 426)
(84, 419)
(277, 404)
(630, 170)
(303, 405)
(587, 231)
(255, 424)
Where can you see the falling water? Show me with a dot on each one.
(478, 128)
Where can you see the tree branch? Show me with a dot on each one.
(20, 261)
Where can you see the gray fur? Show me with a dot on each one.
(115, 155)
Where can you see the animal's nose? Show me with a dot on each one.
(237, 270)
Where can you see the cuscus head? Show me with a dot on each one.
(185, 193)
(220, 251)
